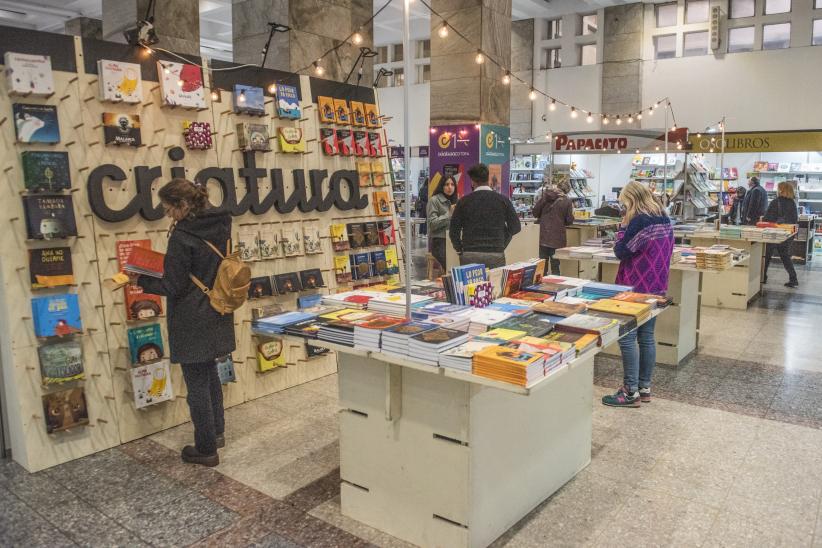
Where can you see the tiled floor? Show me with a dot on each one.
(726, 455)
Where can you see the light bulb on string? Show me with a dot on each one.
(147, 51)
(574, 112)
(630, 118)
(619, 151)
(480, 58)
(699, 136)
(710, 150)
(605, 120)
(506, 78)
(657, 148)
(166, 70)
(180, 83)
(678, 145)
(357, 38)
(443, 32)
(532, 95)
(215, 95)
(618, 120)
(656, 105)
(318, 68)
(589, 118)
(272, 89)
(639, 115)
(637, 151)
(241, 98)
(673, 127)
(433, 130)
(553, 106)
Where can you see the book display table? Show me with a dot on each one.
(576, 235)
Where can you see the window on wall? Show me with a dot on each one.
(740, 39)
(399, 77)
(777, 6)
(588, 55)
(696, 11)
(666, 14)
(423, 49)
(382, 54)
(589, 24)
(553, 29)
(665, 46)
(424, 74)
(776, 36)
(551, 58)
(818, 4)
(817, 33)
(397, 53)
(742, 8)
(695, 43)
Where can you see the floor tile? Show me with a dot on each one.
(87, 526)
(330, 512)
(736, 530)
(22, 526)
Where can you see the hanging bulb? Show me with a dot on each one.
(679, 146)
(699, 136)
(241, 98)
(589, 118)
(357, 38)
(673, 127)
(651, 111)
(619, 151)
(272, 89)
(710, 150)
(639, 115)
(147, 51)
(443, 32)
(657, 147)
(180, 83)
(574, 112)
(215, 95)
(605, 120)
(318, 68)
(656, 105)
(480, 58)
(553, 106)
(506, 78)
(165, 70)
(630, 118)
(532, 95)
(618, 120)
(637, 151)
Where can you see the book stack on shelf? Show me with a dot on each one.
(426, 346)
(510, 365)
(713, 258)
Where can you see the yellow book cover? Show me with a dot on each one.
(326, 108)
(382, 204)
(341, 113)
(637, 310)
(291, 139)
(372, 116)
(503, 334)
(507, 356)
(364, 172)
(357, 113)
(378, 173)
(270, 354)
(339, 237)
(391, 262)
(342, 269)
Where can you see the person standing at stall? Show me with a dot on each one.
(553, 211)
(735, 214)
(755, 202)
(440, 207)
(783, 211)
(644, 245)
(422, 206)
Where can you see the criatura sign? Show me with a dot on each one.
(618, 141)
(143, 203)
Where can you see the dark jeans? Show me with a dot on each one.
(490, 260)
(205, 402)
(438, 251)
(784, 252)
(547, 253)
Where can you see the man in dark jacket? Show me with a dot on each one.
(483, 223)
(553, 211)
(755, 202)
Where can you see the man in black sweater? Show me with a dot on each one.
(755, 202)
(483, 223)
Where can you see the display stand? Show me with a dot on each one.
(523, 246)
(576, 235)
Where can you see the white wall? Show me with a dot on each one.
(578, 85)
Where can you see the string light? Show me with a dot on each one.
(618, 120)
(553, 106)
(657, 147)
(651, 111)
(574, 112)
(710, 150)
(241, 98)
(215, 95)
(165, 70)
(180, 83)
(619, 151)
(605, 120)
(443, 32)
(673, 127)
(506, 78)
(532, 95)
(630, 118)
(637, 151)
(357, 38)
(699, 136)
(639, 115)
(679, 145)
(589, 118)
(656, 104)
(272, 89)
(318, 68)
(480, 58)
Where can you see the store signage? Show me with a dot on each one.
(615, 141)
(495, 152)
(759, 141)
(454, 149)
(396, 152)
(343, 191)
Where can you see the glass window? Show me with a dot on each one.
(589, 24)
(817, 33)
(818, 4)
(665, 46)
(742, 8)
(695, 43)
(382, 54)
(423, 49)
(776, 36)
(551, 58)
(426, 74)
(588, 54)
(666, 15)
(553, 29)
(696, 11)
(740, 39)
(399, 77)
(777, 6)
(397, 52)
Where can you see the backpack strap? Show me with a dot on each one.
(199, 284)
(194, 278)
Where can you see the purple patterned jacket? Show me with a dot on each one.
(644, 250)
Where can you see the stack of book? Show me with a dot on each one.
(509, 365)
(501, 334)
(533, 325)
(656, 301)
(555, 353)
(713, 259)
(581, 342)
(481, 319)
(606, 329)
(676, 255)
(367, 334)
(274, 325)
(426, 346)
(730, 231)
(308, 329)
(559, 309)
(395, 339)
(350, 299)
(554, 291)
(458, 321)
(604, 291)
(461, 357)
(337, 331)
(530, 296)
(394, 303)
(463, 280)
(639, 310)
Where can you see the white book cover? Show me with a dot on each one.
(28, 74)
(151, 383)
(269, 242)
(248, 243)
(119, 81)
(181, 84)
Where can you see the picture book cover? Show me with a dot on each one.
(438, 336)
(357, 114)
(372, 234)
(372, 116)
(248, 243)
(151, 383)
(328, 138)
(292, 240)
(248, 100)
(312, 351)
(56, 315)
(581, 341)
(270, 355)
(28, 74)
(360, 140)
(339, 237)
(45, 171)
(225, 370)
(356, 235)
(125, 247)
(288, 102)
(326, 109)
(360, 266)
(49, 217)
(392, 263)
(140, 305)
(587, 324)
(181, 84)
(65, 409)
(287, 283)
(312, 243)
(50, 267)
(375, 149)
(386, 232)
(119, 81)
(382, 206)
(311, 278)
(253, 137)
(144, 260)
(36, 123)
(260, 287)
(379, 266)
(344, 144)
(121, 129)
(145, 344)
(513, 282)
(378, 173)
(364, 173)
(269, 242)
(197, 135)
(341, 113)
(61, 362)
(291, 139)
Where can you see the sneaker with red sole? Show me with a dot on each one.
(622, 398)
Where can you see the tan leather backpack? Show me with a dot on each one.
(231, 284)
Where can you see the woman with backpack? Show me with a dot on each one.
(197, 333)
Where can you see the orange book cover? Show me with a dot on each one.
(372, 116)
(326, 108)
(357, 114)
(341, 113)
(143, 260)
(382, 205)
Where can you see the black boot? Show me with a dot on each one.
(191, 455)
(792, 284)
(220, 441)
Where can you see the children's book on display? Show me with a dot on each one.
(225, 370)
(151, 383)
(181, 84)
(49, 217)
(288, 102)
(145, 344)
(61, 362)
(119, 81)
(56, 315)
(28, 74)
(121, 129)
(249, 100)
(65, 409)
(50, 267)
(197, 135)
(45, 171)
(36, 123)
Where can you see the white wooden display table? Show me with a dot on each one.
(576, 235)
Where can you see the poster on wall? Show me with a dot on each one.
(495, 152)
(457, 148)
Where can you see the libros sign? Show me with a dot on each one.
(302, 198)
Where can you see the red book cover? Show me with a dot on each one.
(143, 260)
(124, 248)
(513, 283)
(386, 232)
(360, 143)
(375, 145)
(344, 145)
(142, 306)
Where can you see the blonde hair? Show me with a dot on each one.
(637, 199)
(787, 189)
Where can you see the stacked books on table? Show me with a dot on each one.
(507, 364)
(367, 334)
(577, 252)
(459, 321)
(656, 301)
(530, 296)
(559, 310)
(464, 281)
(676, 255)
(350, 299)
(607, 330)
(461, 357)
(395, 339)
(426, 346)
(713, 258)
(276, 324)
(598, 290)
(394, 303)
(639, 310)
(480, 320)
(730, 231)
(581, 341)
(337, 331)
(533, 325)
(556, 354)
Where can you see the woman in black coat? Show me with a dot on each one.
(197, 334)
(782, 211)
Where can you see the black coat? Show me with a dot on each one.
(754, 205)
(196, 332)
(782, 210)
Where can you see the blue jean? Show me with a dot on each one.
(639, 356)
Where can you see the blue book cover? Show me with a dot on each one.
(528, 275)
(145, 344)
(225, 370)
(249, 100)
(288, 102)
(36, 123)
(378, 265)
(56, 315)
(360, 266)
(308, 301)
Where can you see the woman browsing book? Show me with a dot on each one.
(197, 334)
(644, 245)
(782, 211)
(439, 210)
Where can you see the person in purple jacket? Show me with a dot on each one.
(643, 246)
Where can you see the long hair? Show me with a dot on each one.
(786, 189)
(441, 189)
(637, 199)
(180, 192)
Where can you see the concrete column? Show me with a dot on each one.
(622, 59)
(522, 66)
(85, 27)
(462, 90)
(316, 27)
(177, 22)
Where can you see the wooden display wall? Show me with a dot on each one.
(112, 413)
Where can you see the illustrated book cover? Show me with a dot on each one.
(65, 409)
(151, 383)
(36, 123)
(360, 140)
(357, 114)
(341, 113)
(259, 287)
(382, 206)
(372, 234)
(225, 370)
(50, 267)
(145, 344)
(360, 266)
(386, 232)
(356, 235)
(181, 84)
(288, 102)
(270, 355)
(269, 242)
(249, 100)
(119, 81)
(375, 145)
(45, 171)
(56, 315)
(379, 265)
(326, 109)
(197, 135)
(248, 243)
(28, 74)
(372, 116)
(287, 283)
(291, 139)
(253, 137)
(121, 129)
(378, 173)
(364, 173)
(292, 240)
(49, 217)
(328, 138)
(339, 237)
(342, 269)
(311, 278)
(312, 244)
(61, 362)
(392, 263)
(344, 144)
